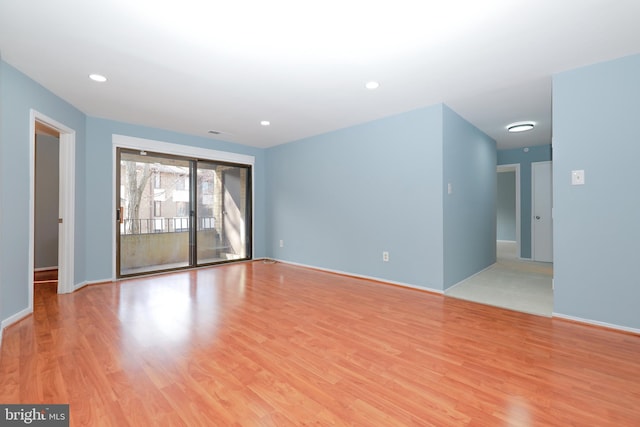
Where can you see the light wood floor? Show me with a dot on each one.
(45, 276)
(257, 344)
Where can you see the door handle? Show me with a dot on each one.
(537, 216)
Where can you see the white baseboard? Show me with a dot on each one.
(45, 268)
(361, 276)
(79, 286)
(16, 317)
(91, 282)
(597, 323)
(13, 319)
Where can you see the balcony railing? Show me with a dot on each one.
(163, 225)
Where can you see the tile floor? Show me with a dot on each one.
(510, 283)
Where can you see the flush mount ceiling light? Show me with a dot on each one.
(265, 122)
(372, 85)
(520, 126)
(98, 78)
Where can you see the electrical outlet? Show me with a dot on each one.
(577, 177)
(282, 243)
(385, 256)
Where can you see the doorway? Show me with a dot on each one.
(508, 207)
(66, 201)
(47, 194)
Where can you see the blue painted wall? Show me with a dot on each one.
(18, 95)
(94, 182)
(99, 173)
(538, 153)
(506, 206)
(469, 161)
(340, 199)
(324, 195)
(596, 111)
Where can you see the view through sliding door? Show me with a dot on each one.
(223, 211)
(178, 212)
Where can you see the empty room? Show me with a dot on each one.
(319, 213)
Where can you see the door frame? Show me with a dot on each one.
(66, 197)
(514, 167)
(533, 207)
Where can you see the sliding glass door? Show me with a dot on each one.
(177, 212)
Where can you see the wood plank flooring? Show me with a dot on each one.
(45, 276)
(257, 344)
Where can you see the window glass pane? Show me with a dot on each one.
(223, 212)
(154, 232)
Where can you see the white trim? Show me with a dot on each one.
(80, 286)
(124, 141)
(91, 282)
(361, 276)
(515, 167)
(131, 142)
(66, 230)
(13, 319)
(55, 267)
(597, 323)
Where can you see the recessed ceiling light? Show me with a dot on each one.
(372, 85)
(265, 122)
(98, 78)
(520, 126)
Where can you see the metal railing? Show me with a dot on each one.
(163, 225)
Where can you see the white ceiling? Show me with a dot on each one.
(197, 65)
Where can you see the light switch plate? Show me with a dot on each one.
(577, 177)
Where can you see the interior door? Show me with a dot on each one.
(542, 221)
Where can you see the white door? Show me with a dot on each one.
(542, 222)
